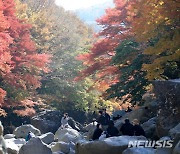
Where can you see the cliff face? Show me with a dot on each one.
(168, 95)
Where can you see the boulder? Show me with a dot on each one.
(9, 136)
(118, 124)
(69, 138)
(112, 145)
(3, 146)
(35, 146)
(118, 112)
(61, 146)
(75, 125)
(135, 114)
(139, 151)
(22, 131)
(47, 121)
(150, 127)
(12, 148)
(167, 93)
(67, 135)
(174, 131)
(47, 138)
(90, 130)
(176, 139)
(13, 145)
(177, 149)
(59, 152)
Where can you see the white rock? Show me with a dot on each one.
(13, 145)
(47, 138)
(9, 136)
(112, 145)
(59, 152)
(67, 135)
(69, 138)
(35, 146)
(61, 146)
(90, 126)
(22, 131)
(139, 151)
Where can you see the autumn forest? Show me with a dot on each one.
(50, 59)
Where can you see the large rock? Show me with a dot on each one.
(13, 145)
(61, 146)
(174, 131)
(75, 125)
(118, 124)
(59, 152)
(141, 113)
(3, 148)
(167, 93)
(47, 121)
(9, 136)
(67, 135)
(47, 138)
(135, 114)
(35, 146)
(12, 148)
(118, 112)
(22, 131)
(90, 130)
(177, 149)
(112, 145)
(139, 151)
(150, 127)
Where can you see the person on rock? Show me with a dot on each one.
(102, 120)
(98, 131)
(29, 136)
(138, 130)
(107, 117)
(64, 121)
(127, 128)
(111, 130)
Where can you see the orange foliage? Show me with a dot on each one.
(20, 64)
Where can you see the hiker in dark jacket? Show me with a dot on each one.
(97, 133)
(107, 117)
(127, 128)
(112, 130)
(101, 119)
(138, 130)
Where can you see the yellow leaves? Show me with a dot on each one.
(154, 71)
(161, 2)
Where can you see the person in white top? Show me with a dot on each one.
(64, 121)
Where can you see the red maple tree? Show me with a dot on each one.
(20, 64)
